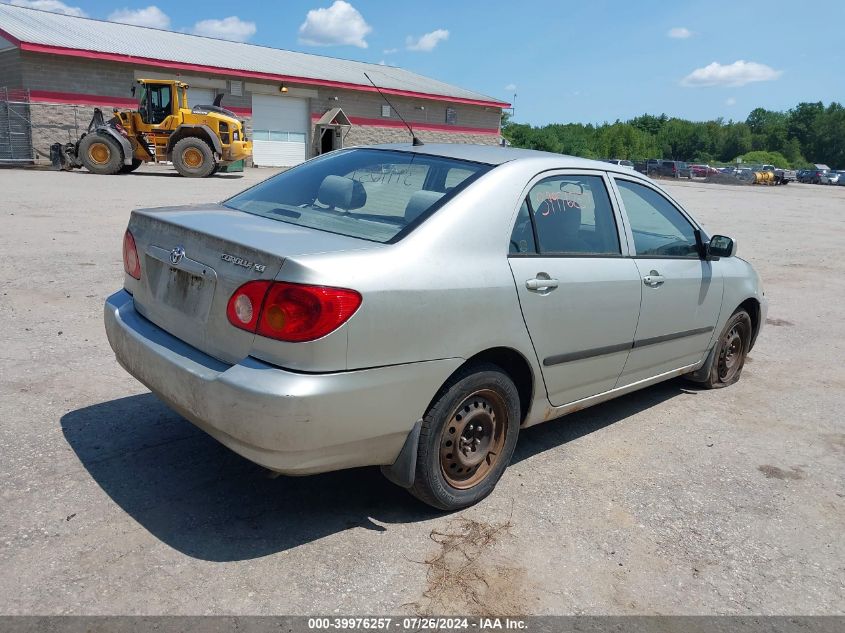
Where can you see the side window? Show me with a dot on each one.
(659, 228)
(522, 238)
(573, 215)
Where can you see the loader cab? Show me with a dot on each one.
(159, 100)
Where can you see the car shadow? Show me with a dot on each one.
(209, 503)
(544, 437)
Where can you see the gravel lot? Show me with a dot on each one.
(670, 500)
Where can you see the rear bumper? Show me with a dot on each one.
(289, 422)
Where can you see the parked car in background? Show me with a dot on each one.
(814, 176)
(622, 163)
(702, 171)
(294, 321)
(670, 169)
(830, 178)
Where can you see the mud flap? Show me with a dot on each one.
(403, 470)
(701, 374)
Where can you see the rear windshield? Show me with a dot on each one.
(376, 195)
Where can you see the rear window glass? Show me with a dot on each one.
(376, 195)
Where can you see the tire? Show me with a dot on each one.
(128, 169)
(193, 158)
(731, 350)
(478, 413)
(100, 154)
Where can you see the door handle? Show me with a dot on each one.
(653, 279)
(539, 283)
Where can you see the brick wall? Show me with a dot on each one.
(369, 135)
(57, 124)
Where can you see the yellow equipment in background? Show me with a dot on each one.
(198, 141)
(764, 178)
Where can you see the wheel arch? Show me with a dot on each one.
(513, 363)
(752, 307)
(198, 131)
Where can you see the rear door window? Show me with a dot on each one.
(572, 215)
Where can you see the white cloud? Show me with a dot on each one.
(679, 33)
(54, 6)
(427, 42)
(510, 88)
(231, 28)
(737, 74)
(151, 16)
(730, 101)
(339, 25)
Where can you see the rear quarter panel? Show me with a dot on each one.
(444, 291)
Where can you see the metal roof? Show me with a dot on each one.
(42, 31)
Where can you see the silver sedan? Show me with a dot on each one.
(415, 307)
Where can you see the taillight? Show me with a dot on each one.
(131, 261)
(245, 305)
(291, 312)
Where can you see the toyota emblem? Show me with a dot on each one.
(177, 254)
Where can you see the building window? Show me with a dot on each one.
(451, 116)
(385, 111)
(236, 88)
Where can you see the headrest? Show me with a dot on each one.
(342, 193)
(419, 203)
(563, 213)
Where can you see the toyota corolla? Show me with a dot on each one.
(415, 307)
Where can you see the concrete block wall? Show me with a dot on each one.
(57, 123)
(10, 69)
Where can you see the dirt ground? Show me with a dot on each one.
(671, 500)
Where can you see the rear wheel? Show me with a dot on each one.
(193, 158)
(731, 351)
(100, 154)
(467, 438)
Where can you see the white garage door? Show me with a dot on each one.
(279, 130)
(201, 96)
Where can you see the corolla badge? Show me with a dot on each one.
(177, 254)
(240, 261)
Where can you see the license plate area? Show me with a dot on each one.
(186, 287)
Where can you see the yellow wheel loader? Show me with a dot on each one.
(198, 141)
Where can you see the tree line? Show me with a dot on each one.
(806, 134)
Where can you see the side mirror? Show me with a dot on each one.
(132, 90)
(721, 246)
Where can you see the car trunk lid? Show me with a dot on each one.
(194, 258)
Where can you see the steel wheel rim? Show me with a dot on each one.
(473, 438)
(99, 153)
(192, 157)
(731, 353)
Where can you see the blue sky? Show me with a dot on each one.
(568, 61)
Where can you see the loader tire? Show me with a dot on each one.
(127, 169)
(100, 154)
(193, 158)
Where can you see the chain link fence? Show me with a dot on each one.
(15, 127)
